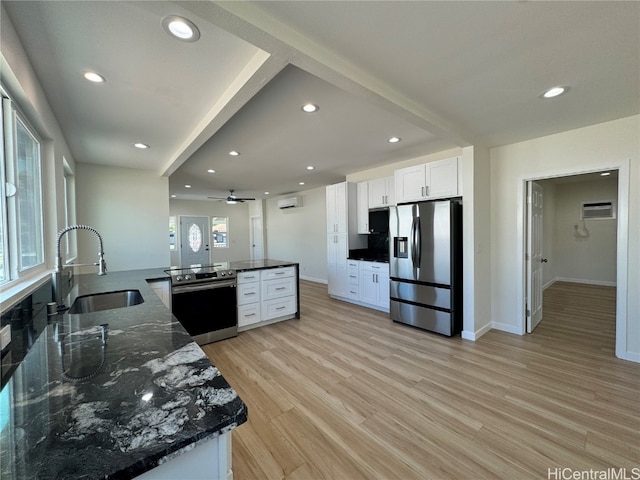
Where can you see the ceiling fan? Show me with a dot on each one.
(232, 199)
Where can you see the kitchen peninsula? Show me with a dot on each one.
(116, 393)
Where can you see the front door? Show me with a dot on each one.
(534, 254)
(195, 238)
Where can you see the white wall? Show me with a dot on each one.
(23, 86)
(597, 147)
(300, 234)
(591, 259)
(130, 209)
(238, 235)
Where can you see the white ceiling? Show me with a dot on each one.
(436, 74)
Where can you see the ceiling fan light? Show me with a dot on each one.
(231, 202)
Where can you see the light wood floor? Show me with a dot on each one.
(344, 393)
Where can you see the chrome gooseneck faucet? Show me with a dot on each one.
(63, 281)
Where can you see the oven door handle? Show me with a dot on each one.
(202, 286)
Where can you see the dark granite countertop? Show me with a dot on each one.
(245, 265)
(74, 408)
(369, 255)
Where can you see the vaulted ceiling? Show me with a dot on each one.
(436, 74)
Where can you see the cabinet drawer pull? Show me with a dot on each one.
(252, 276)
(250, 293)
(281, 288)
(279, 273)
(281, 308)
(250, 315)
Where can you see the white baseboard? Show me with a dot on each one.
(505, 327)
(473, 336)
(314, 280)
(602, 283)
(630, 356)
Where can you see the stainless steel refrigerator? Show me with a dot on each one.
(425, 265)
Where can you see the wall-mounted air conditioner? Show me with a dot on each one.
(290, 202)
(598, 210)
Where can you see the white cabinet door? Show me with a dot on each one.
(249, 314)
(410, 183)
(362, 209)
(443, 179)
(374, 283)
(368, 287)
(248, 292)
(432, 180)
(391, 194)
(381, 192)
(337, 208)
(337, 252)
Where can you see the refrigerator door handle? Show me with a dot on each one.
(418, 247)
(414, 246)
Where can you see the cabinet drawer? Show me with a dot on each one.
(248, 293)
(272, 273)
(278, 307)
(249, 314)
(353, 292)
(278, 288)
(250, 276)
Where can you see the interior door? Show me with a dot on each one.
(257, 241)
(535, 258)
(195, 238)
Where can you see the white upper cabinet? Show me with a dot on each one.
(428, 181)
(381, 192)
(362, 209)
(337, 205)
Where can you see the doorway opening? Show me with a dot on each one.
(578, 235)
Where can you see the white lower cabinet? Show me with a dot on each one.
(266, 295)
(353, 280)
(374, 284)
(248, 294)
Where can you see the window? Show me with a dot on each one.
(220, 231)
(69, 184)
(21, 230)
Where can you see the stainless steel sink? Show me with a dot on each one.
(106, 301)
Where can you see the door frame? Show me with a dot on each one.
(622, 246)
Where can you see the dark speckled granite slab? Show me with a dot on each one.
(75, 408)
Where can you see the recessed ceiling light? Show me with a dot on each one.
(173, 196)
(311, 167)
(266, 193)
(300, 183)
(187, 186)
(181, 28)
(211, 170)
(94, 77)
(141, 146)
(234, 153)
(394, 139)
(605, 174)
(554, 92)
(310, 108)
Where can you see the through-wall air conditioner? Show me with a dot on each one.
(291, 202)
(598, 210)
